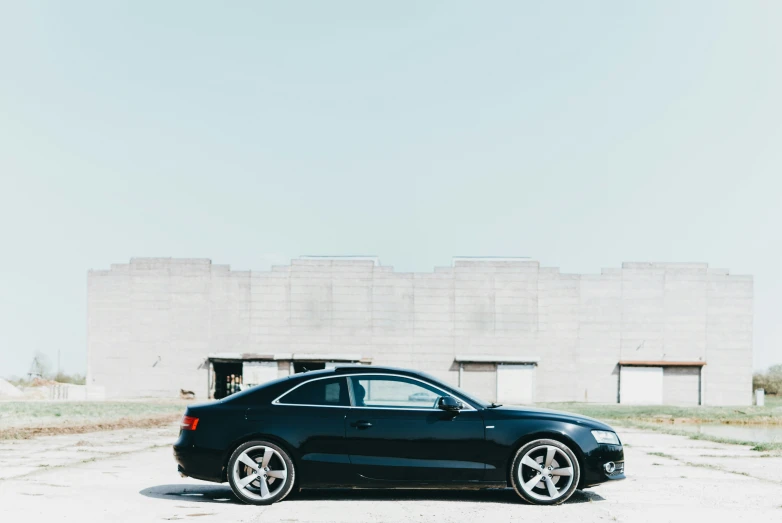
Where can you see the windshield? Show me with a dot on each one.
(477, 402)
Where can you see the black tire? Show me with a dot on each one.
(278, 462)
(523, 475)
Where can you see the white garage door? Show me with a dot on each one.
(681, 385)
(515, 384)
(480, 380)
(257, 372)
(641, 385)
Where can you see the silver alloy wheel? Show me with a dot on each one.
(260, 472)
(545, 473)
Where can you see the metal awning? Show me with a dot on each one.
(239, 356)
(327, 357)
(286, 356)
(664, 363)
(490, 358)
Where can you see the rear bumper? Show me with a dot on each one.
(201, 464)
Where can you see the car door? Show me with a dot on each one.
(396, 432)
(310, 418)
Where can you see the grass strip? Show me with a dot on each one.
(667, 429)
(28, 432)
(771, 414)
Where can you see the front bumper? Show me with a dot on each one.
(595, 465)
(615, 470)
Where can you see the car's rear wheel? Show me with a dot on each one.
(260, 473)
(545, 472)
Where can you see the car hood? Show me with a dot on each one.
(511, 412)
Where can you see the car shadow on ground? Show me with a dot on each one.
(203, 493)
(223, 494)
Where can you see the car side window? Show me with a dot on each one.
(393, 392)
(327, 392)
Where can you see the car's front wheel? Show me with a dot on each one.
(545, 472)
(260, 473)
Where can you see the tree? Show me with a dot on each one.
(40, 367)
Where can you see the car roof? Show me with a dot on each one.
(363, 369)
(359, 369)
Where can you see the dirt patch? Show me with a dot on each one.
(759, 421)
(83, 428)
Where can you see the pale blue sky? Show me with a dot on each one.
(582, 134)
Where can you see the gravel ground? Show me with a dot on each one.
(129, 475)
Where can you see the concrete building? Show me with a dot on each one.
(506, 330)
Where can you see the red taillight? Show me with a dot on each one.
(188, 423)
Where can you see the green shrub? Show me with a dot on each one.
(770, 381)
(75, 379)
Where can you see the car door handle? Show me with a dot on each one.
(362, 424)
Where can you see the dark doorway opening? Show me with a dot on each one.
(228, 379)
(305, 366)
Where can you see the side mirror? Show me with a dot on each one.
(449, 404)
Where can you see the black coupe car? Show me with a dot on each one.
(374, 427)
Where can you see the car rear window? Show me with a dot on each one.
(324, 392)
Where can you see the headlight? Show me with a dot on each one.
(604, 436)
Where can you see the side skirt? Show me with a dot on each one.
(411, 485)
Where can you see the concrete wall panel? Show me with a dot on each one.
(152, 322)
